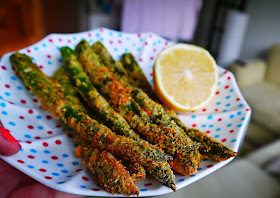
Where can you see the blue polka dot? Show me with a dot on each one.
(229, 125)
(231, 116)
(210, 117)
(138, 49)
(180, 180)
(75, 163)
(225, 110)
(234, 140)
(102, 39)
(199, 169)
(27, 136)
(119, 56)
(40, 127)
(218, 129)
(44, 45)
(216, 136)
(33, 60)
(62, 182)
(1, 97)
(3, 104)
(218, 103)
(13, 78)
(69, 175)
(45, 161)
(239, 113)
(55, 174)
(159, 41)
(127, 38)
(65, 155)
(19, 87)
(120, 35)
(90, 40)
(111, 33)
(60, 165)
(83, 186)
(97, 35)
(241, 105)
(205, 159)
(239, 125)
(211, 125)
(60, 60)
(49, 62)
(64, 171)
(4, 113)
(7, 93)
(12, 124)
(141, 39)
(36, 48)
(193, 116)
(116, 49)
(219, 83)
(21, 150)
(126, 50)
(74, 38)
(228, 104)
(143, 189)
(33, 151)
(154, 43)
(133, 44)
(47, 151)
(204, 125)
(30, 166)
(192, 175)
(227, 97)
(38, 117)
(231, 90)
(242, 118)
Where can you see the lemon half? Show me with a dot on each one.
(185, 77)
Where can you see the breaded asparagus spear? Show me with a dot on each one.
(100, 136)
(119, 97)
(209, 145)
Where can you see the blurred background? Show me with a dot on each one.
(242, 35)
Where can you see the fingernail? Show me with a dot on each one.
(8, 136)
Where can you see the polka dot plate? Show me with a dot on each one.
(47, 153)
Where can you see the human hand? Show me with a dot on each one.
(15, 184)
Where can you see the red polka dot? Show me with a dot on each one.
(220, 119)
(49, 132)
(228, 78)
(210, 166)
(23, 101)
(30, 111)
(111, 42)
(31, 156)
(207, 131)
(223, 140)
(226, 87)
(41, 67)
(151, 74)
(28, 50)
(217, 93)
(42, 170)
(45, 144)
(139, 35)
(50, 40)
(152, 58)
(58, 126)
(204, 109)
(166, 43)
(194, 125)
(248, 109)
(146, 43)
(28, 142)
(49, 56)
(54, 157)
(231, 131)
(30, 127)
(69, 135)
(48, 177)
(140, 59)
(96, 189)
(20, 161)
(155, 50)
(37, 138)
(7, 86)
(3, 67)
(101, 29)
(11, 103)
(60, 39)
(49, 117)
(58, 142)
(69, 41)
(35, 100)
(216, 109)
(21, 117)
(237, 99)
(225, 72)
(148, 184)
(120, 41)
(89, 34)
(79, 170)
(13, 68)
(85, 178)
(150, 35)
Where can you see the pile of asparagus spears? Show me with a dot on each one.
(121, 128)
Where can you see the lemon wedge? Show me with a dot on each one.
(185, 77)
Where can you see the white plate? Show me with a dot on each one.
(47, 148)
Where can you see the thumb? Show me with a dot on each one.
(40, 190)
(8, 144)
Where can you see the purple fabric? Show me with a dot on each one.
(174, 19)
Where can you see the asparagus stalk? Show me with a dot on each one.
(119, 97)
(209, 146)
(100, 136)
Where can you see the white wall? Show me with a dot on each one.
(263, 29)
